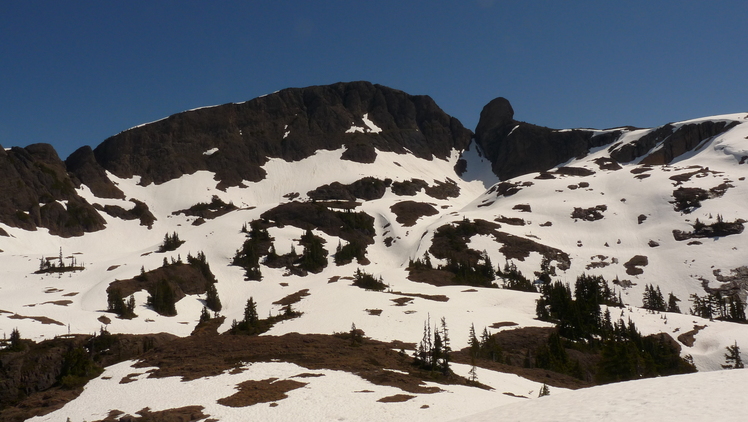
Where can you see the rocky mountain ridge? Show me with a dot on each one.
(363, 205)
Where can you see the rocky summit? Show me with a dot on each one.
(343, 251)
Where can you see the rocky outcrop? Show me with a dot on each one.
(515, 148)
(675, 140)
(235, 140)
(84, 169)
(37, 191)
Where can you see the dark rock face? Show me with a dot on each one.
(32, 181)
(676, 141)
(517, 148)
(291, 124)
(84, 169)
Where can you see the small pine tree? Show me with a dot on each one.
(212, 301)
(544, 391)
(204, 315)
(15, 341)
(250, 313)
(732, 357)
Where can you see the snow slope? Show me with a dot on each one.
(44, 306)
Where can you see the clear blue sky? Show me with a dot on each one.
(74, 73)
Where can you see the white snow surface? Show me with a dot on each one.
(75, 301)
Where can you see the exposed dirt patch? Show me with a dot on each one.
(402, 301)
(435, 298)
(606, 163)
(308, 375)
(374, 312)
(688, 338)
(408, 212)
(574, 171)
(641, 218)
(589, 214)
(443, 190)
(512, 221)
(201, 356)
(397, 398)
(71, 294)
(58, 302)
(640, 170)
(104, 320)
(214, 209)
(181, 414)
(253, 392)
(522, 207)
(42, 319)
(503, 324)
(130, 378)
(292, 298)
(408, 187)
(633, 264)
(112, 267)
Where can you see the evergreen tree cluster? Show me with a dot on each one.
(163, 298)
(344, 254)
(654, 301)
(314, 255)
(487, 347)
(716, 305)
(480, 273)
(420, 264)
(248, 257)
(514, 279)
(252, 324)
(627, 355)
(367, 281)
(171, 243)
(433, 351)
(116, 303)
(578, 318)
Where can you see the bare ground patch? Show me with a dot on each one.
(688, 338)
(253, 392)
(42, 319)
(200, 356)
(633, 264)
(408, 212)
(292, 298)
(397, 398)
(181, 414)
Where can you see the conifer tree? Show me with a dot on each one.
(544, 390)
(250, 313)
(732, 357)
(204, 315)
(212, 301)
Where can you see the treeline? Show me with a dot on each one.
(624, 353)
(164, 292)
(252, 324)
(478, 272)
(259, 244)
(716, 305)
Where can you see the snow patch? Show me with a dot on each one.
(210, 151)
